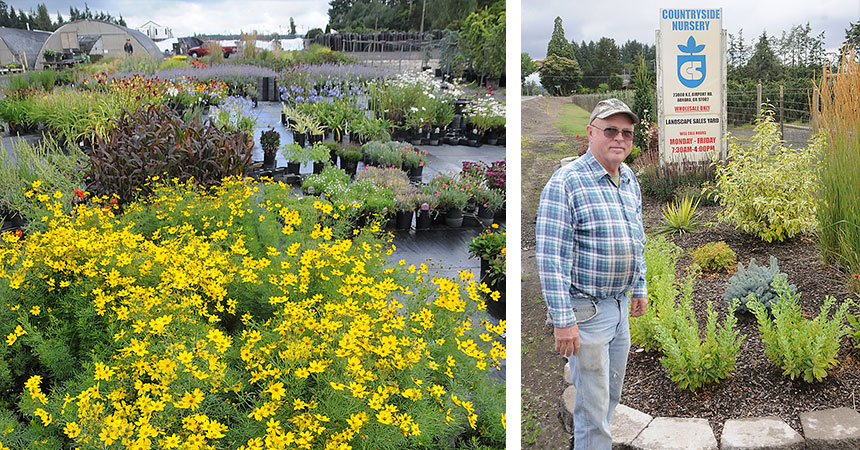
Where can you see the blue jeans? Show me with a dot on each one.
(598, 369)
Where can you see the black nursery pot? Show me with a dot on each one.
(415, 174)
(319, 166)
(269, 159)
(423, 221)
(403, 220)
(350, 167)
(299, 138)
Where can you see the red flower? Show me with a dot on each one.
(79, 193)
(19, 233)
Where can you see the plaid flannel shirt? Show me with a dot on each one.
(590, 239)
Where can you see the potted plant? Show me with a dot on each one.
(287, 115)
(366, 129)
(326, 182)
(489, 247)
(270, 140)
(427, 204)
(484, 114)
(372, 152)
(452, 200)
(295, 155)
(442, 117)
(302, 124)
(250, 92)
(419, 120)
(349, 155)
(339, 114)
(489, 201)
(319, 154)
(316, 132)
(375, 200)
(415, 160)
(332, 151)
(405, 204)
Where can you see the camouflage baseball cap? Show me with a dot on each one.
(611, 107)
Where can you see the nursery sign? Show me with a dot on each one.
(691, 84)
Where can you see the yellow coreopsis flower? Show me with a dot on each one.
(103, 372)
(277, 391)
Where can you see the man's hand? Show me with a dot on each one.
(567, 340)
(638, 306)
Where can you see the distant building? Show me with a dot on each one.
(155, 31)
(95, 38)
(21, 46)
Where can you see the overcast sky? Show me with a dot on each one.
(202, 17)
(637, 20)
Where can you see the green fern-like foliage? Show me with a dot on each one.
(801, 347)
(756, 280)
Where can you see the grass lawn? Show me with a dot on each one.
(573, 120)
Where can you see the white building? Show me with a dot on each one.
(155, 31)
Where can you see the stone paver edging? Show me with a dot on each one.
(837, 428)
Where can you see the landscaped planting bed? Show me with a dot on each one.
(723, 337)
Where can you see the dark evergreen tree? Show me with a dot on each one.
(4, 15)
(42, 21)
(643, 100)
(558, 45)
(606, 60)
(763, 65)
(13, 18)
(852, 36)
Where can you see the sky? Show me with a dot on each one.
(625, 20)
(202, 17)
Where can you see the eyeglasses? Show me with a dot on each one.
(610, 133)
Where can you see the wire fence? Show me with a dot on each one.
(791, 103)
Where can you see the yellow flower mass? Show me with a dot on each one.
(208, 314)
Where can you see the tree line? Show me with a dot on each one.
(790, 60)
(576, 68)
(362, 16)
(41, 19)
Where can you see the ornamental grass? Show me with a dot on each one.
(837, 203)
(238, 317)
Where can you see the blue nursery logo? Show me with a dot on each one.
(691, 67)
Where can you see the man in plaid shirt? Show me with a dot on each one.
(591, 260)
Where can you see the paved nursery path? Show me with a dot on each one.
(444, 247)
(837, 428)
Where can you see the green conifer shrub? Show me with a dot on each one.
(754, 280)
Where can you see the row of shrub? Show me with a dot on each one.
(801, 347)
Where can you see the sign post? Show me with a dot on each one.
(691, 85)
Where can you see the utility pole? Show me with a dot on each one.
(423, 7)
